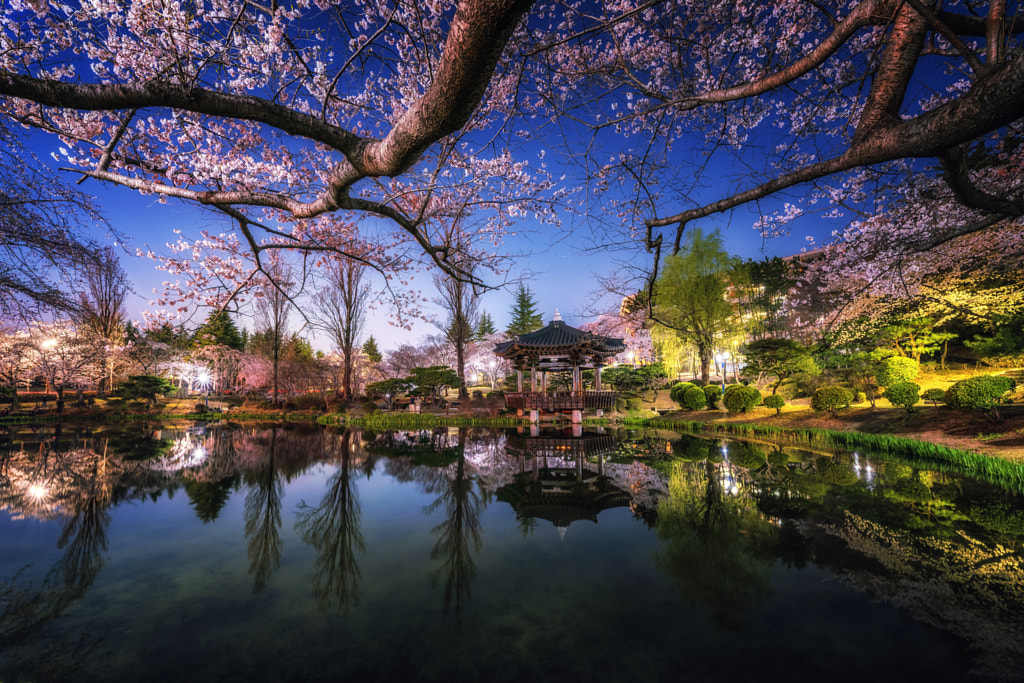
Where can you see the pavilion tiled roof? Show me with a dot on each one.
(556, 337)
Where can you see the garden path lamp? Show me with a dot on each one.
(203, 379)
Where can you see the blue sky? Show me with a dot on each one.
(559, 272)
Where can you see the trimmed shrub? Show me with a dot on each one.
(774, 401)
(712, 393)
(861, 397)
(748, 455)
(694, 399)
(936, 396)
(633, 404)
(692, 448)
(739, 399)
(904, 394)
(831, 398)
(677, 391)
(983, 392)
(369, 407)
(896, 369)
(788, 390)
(620, 405)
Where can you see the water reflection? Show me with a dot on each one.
(561, 479)
(459, 534)
(332, 528)
(729, 517)
(263, 513)
(718, 547)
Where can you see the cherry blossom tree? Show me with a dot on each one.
(311, 125)
(65, 356)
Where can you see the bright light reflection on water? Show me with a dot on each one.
(306, 555)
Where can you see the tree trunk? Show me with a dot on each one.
(460, 355)
(705, 363)
(346, 379)
(277, 357)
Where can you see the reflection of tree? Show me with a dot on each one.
(462, 505)
(208, 497)
(333, 529)
(83, 540)
(85, 498)
(713, 547)
(263, 517)
(957, 584)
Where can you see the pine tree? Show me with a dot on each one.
(219, 328)
(525, 318)
(485, 326)
(372, 352)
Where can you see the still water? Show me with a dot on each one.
(301, 554)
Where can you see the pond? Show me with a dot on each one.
(275, 553)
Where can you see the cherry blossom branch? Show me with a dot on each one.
(995, 101)
(958, 44)
(864, 14)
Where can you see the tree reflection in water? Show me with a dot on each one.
(717, 545)
(462, 504)
(263, 515)
(332, 528)
(80, 486)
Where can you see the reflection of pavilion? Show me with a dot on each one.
(556, 482)
(558, 347)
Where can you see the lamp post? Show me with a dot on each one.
(203, 379)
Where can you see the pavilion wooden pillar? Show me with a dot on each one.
(577, 388)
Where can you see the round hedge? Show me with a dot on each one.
(694, 399)
(677, 391)
(748, 455)
(896, 369)
(904, 394)
(831, 398)
(936, 396)
(983, 392)
(774, 401)
(739, 399)
(712, 393)
(692, 448)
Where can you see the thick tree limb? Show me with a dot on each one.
(995, 101)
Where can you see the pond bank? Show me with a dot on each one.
(1001, 439)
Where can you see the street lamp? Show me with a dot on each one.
(203, 379)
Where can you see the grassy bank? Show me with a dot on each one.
(968, 462)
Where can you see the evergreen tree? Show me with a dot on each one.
(219, 328)
(373, 354)
(525, 318)
(485, 326)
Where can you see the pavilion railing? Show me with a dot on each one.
(560, 400)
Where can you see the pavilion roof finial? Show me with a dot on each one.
(558, 316)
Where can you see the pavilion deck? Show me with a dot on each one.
(554, 401)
